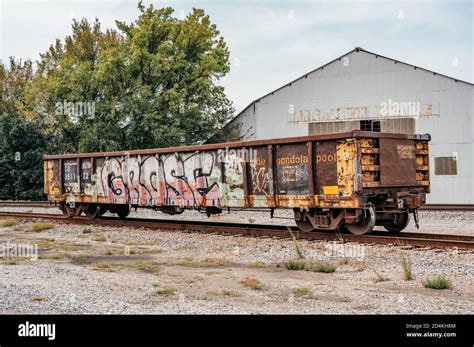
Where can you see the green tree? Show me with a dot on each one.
(162, 79)
(20, 178)
(153, 83)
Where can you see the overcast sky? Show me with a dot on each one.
(274, 42)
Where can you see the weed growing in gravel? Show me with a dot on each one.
(224, 292)
(107, 267)
(100, 238)
(113, 267)
(38, 298)
(210, 273)
(439, 282)
(344, 261)
(5, 261)
(406, 265)
(252, 283)
(165, 291)
(144, 266)
(294, 265)
(303, 291)
(379, 276)
(55, 256)
(37, 227)
(9, 222)
(298, 250)
(207, 262)
(320, 267)
(256, 265)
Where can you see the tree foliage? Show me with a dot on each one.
(150, 83)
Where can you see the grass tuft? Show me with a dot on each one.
(298, 250)
(256, 265)
(379, 276)
(207, 262)
(344, 261)
(303, 291)
(320, 267)
(406, 265)
(37, 227)
(9, 222)
(294, 265)
(439, 282)
(165, 291)
(100, 238)
(252, 283)
(38, 298)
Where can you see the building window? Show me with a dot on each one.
(370, 125)
(446, 166)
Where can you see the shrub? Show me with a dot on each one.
(294, 265)
(320, 267)
(439, 282)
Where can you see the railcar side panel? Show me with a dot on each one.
(304, 173)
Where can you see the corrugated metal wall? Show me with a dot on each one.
(356, 87)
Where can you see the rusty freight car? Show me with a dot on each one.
(352, 180)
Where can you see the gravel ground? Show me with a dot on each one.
(97, 269)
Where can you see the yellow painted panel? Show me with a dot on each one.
(346, 166)
(331, 190)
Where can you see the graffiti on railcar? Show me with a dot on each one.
(232, 187)
(112, 181)
(183, 179)
(175, 179)
(191, 179)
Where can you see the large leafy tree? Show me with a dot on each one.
(150, 83)
(22, 142)
(162, 79)
(153, 83)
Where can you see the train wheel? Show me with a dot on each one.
(301, 222)
(400, 223)
(92, 211)
(68, 211)
(366, 223)
(123, 212)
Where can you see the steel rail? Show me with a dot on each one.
(24, 203)
(429, 207)
(264, 230)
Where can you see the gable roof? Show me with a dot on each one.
(356, 49)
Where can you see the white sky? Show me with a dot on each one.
(274, 42)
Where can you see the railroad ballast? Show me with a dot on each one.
(352, 180)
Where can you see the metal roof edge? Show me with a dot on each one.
(356, 49)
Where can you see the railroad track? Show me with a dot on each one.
(430, 207)
(444, 207)
(264, 230)
(12, 203)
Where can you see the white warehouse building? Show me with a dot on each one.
(367, 91)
